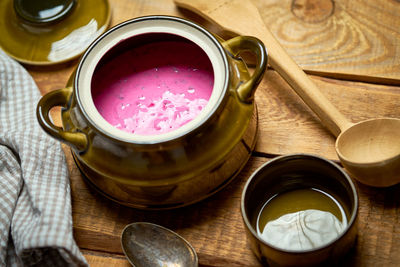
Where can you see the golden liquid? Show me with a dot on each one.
(299, 200)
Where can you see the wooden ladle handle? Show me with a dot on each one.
(243, 18)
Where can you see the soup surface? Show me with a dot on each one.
(153, 88)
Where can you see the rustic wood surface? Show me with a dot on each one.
(356, 39)
(333, 44)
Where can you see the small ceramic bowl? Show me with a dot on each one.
(291, 172)
(172, 169)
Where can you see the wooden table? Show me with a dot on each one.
(351, 49)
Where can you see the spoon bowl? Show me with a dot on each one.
(369, 150)
(146, 244)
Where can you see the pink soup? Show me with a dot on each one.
(155, 87)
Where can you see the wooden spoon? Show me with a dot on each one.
(369, 150)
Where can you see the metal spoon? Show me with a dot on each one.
(369, 150)
(146, 244)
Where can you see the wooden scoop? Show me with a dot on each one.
(369, 150)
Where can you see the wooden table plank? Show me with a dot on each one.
(99, 259)
(215, 229)
(356, 39)
(287, 125)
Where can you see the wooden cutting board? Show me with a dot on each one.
(356, 39)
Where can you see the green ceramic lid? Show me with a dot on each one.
(50, 31)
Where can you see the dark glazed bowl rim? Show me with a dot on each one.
(218, 105)
(280, 160)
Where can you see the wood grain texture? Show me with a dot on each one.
(359, 38)
(287, 125)
(101, 259)
(214, 227)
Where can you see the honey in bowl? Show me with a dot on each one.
(301, 219)
(154, 87)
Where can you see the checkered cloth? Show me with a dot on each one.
(35, 200)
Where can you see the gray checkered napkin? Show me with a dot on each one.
(35, 200)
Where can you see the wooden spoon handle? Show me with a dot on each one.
(242, 17)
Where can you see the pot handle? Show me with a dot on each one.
(239, 44)
(77, 140)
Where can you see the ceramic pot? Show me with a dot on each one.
(172, 169)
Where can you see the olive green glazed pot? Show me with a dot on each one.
(167, 170)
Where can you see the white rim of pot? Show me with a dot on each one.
(143, 25)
